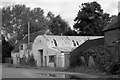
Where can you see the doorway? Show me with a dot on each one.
(45, 61)
(41, 57)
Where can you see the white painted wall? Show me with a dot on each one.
(14, 57)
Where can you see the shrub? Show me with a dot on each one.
(115, 68)
(75, 60)
(31, 61)
(104, 60)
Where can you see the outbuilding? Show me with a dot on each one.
(49, 50)
(112, 37)
(53, 51)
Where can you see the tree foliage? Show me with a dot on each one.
(70, 32)
(15, 19)
(91, 19)
(57, 25)
(6, 49)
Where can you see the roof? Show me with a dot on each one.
(32, 36)
(112, 26)
(63, 50)
(88, 44)
(25, 40)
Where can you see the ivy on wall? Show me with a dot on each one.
(103, 59)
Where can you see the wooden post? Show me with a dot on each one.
(28, 38)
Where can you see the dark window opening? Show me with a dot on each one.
(21, 47)
(51, 58)
(74, 42)
(77, 43)
(55, 42)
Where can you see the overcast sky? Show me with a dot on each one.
(68, 9)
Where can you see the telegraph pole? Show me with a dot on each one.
(28, 37)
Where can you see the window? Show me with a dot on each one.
(51, 58)
(21, 47)
(74, 42)
(55, 42)
(77, 43)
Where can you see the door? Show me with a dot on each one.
(41, 57)
(45, 61)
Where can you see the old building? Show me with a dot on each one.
(112, 37)
(51, 50)
(23, 47)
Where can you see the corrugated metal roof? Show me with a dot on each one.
(64, 50)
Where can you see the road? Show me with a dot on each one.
(9, 72)
(0, 71)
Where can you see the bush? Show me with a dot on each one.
(115, 68)
(103, 59)
(31, 61)
(75, 60)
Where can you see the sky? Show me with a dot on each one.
(68, 9)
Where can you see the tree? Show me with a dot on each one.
(15, 20)
(90, 19)
(6, 49)
(70, 32)
(57, 25)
